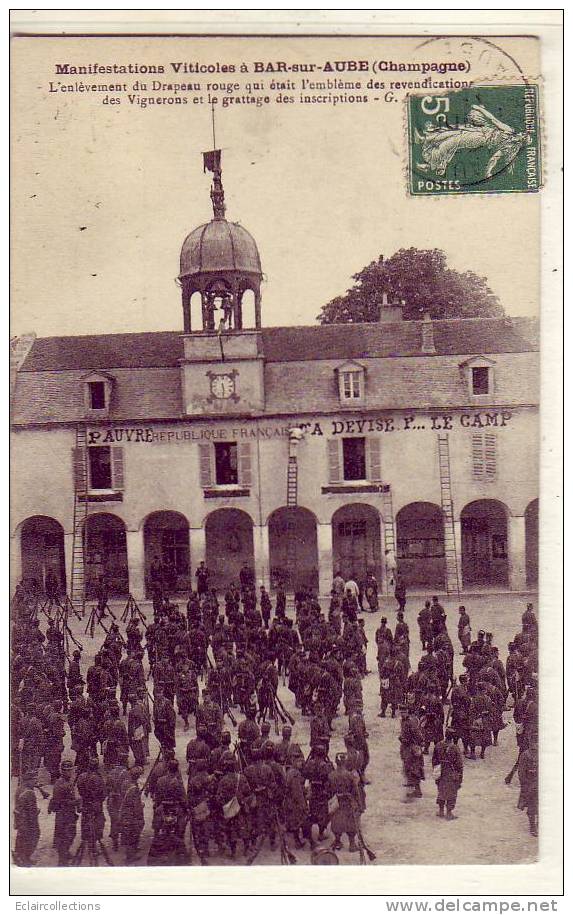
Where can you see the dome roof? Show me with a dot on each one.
(219, 245)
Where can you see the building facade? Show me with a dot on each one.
(293, 451)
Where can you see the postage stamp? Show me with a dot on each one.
(478, 140)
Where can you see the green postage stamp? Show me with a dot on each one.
(480, 140)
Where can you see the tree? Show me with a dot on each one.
(422, 281)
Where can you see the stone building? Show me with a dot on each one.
(291, 451)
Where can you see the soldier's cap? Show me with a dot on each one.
(93, 763)
(450, 733)
(340, 757)
(287, 730)
(463, 678)
(481, 632)
(226, 737)
(172, 765)
(383, 619)
(227, 760)
(77, 654)
(135, 771)
(266, 727)
(66, 765)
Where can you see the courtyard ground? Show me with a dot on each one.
(489, 828)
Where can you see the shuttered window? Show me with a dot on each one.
(245, 472)
(373, 462)
(484, 455)
(205, 465)
(333, 446)
(117, 467)
(79, 465)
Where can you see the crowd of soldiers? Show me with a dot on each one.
(218, 667)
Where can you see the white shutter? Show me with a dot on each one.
(117, 467)
(333, 446)
(205, 466)
(478, 458)
(79, 465)
(373, 462)
(490, 456)
(245, 463)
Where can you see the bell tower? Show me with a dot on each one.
(222, 370)
(221, 262)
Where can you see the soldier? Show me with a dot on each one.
(54, 732)
(411, 743)
(425, 625)
(464, 630)
(449, 772)
(92, 791)
(137, 729)
(232, 793)
(344, 784)
(117, 782)
(26, 816)
(187, 690)
(295, 805)
(262, 784)
(169, 790)
(316, 770)
(75, 678)
(64, 803)
(131, 816)
(528, 780)
(198, 797)
(164, 720)
(266, 607)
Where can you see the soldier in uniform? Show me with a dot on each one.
(411, 744)
(26, 816)
(449, 770)
(316, 771)
(64, 803)
(92, 791)
(131, 816)
(164, 719)
(117, 781)
(346, 818)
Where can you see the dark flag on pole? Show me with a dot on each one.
(212, 161)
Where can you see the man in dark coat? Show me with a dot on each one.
(346, 818)
(64, 803)
(91, 788)
(449, 772)
(26, 816)
(131, 816)
(316, 771)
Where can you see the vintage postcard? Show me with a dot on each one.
(275, 412)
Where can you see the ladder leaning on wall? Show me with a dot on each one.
(292, 500)
(78, 577)
(389, 533)
(452, 573)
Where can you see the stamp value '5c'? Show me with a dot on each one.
(480, 140)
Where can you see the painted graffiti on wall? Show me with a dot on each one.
(433, 422)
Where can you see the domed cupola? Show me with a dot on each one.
(220, 261)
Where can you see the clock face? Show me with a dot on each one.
(222, 386)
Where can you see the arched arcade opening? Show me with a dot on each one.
(356, 542)
(42, 554)
(167, 553)
(484, 544)
(293, 549)
(229, 546)
(420, 540)
(105, 551)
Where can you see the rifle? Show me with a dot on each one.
(287, 715)
(361, 841)
(151, 771)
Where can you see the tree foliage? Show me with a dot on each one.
(422, 280)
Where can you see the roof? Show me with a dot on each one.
(219, 246)
(475, 336)
(299, 369)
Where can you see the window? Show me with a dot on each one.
(484, 456)
(480, 380)
(97, 395)
(175, 549)
(351, 385)
(422, 547)
(352, 529)
(100, 468)
(226, 464)
(354, 458)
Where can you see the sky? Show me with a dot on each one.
(103, 198)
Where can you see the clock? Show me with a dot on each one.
(222, 386)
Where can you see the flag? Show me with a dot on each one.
(212, 161)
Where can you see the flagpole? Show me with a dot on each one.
(213, 122)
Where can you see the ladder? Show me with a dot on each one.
(292, 502)
(78, 582)
(389, 534)
(452, 573)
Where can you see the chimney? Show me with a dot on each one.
(390, 311)
(428, 345)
